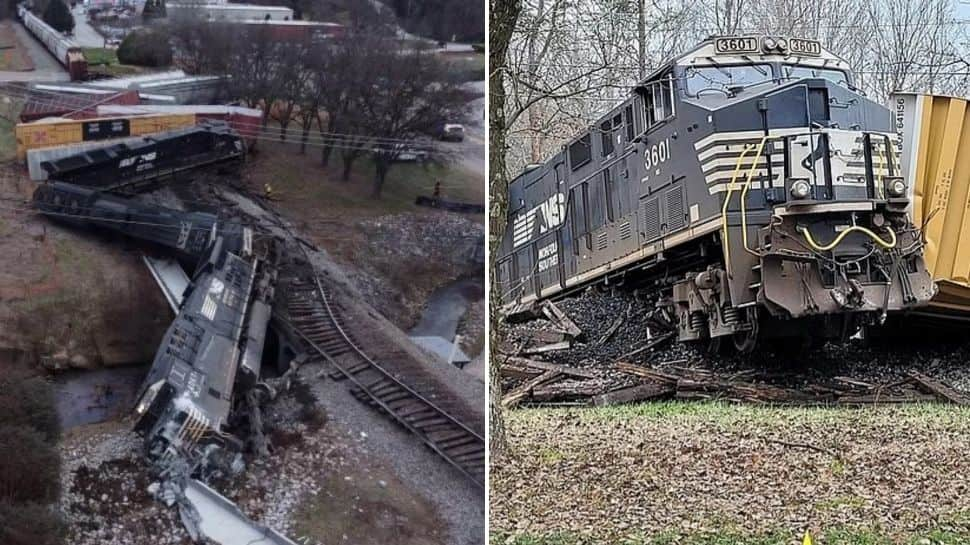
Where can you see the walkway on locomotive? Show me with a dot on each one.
(704, 115)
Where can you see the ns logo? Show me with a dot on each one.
(548, 214)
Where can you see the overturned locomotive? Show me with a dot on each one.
(216, 341)
(747, 182)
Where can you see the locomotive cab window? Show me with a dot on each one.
(658, 102)
(579, 152)
(723, 79)
(609, 130)
(631, 130)
(839, 77)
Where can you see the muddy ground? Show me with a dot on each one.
(69, 298)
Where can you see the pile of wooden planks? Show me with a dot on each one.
(558, 335)
(543, 382)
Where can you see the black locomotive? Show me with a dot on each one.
(129, 166)
(746, 182)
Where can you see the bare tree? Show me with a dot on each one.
(503, 17)
(413, 97)
(291, 74)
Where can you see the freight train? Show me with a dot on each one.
(747, 183)
(61, 47)
(130, 166)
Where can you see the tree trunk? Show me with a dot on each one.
(504, 14)
(349, 159)
(306, 136)
(381, 168)
(325, 155)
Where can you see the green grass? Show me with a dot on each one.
(8, 141)
(105, 61)
(300, 181)
(97, 56)
(729, 414)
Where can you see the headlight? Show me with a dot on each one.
(770, 43)
(782, 44)
(896, 187)
(800, 189)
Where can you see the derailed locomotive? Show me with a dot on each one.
(216, 341)
(747, 182)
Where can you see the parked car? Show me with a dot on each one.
(453, 132)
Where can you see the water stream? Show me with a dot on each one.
(92, 396)
(446, 306)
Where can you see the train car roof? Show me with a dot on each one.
(707, 53)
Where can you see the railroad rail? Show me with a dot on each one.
(314, 318)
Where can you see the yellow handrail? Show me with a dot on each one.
(727, 200)
(744, 196)
(744, 193)
(824, 248)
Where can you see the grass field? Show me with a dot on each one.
(105, 61)
(720, 474)
(8, 142)
(300, 182)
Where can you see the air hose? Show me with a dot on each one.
(838, 239)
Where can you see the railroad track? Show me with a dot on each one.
(315, 318)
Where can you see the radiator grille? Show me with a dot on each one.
(602, 241)
(650, 218)
(676, 219)
(625, 230)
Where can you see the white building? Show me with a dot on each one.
(229, 12)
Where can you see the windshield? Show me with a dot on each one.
(707, 79)
(798, 72)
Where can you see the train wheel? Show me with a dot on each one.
(746, 341)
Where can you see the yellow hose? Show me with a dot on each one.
(824, 248)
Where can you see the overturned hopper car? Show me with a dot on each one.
(746, 184)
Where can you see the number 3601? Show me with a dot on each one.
(657, 153)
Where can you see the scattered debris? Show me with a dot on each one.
(633, 348)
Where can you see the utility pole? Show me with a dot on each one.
(642, 38)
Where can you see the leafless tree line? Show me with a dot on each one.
(361, 95)
(569, 61)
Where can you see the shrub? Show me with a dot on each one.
(145, 48)
(29, 467)
(30, 524)
(58, 16)
(29, 402)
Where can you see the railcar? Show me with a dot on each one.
(190, 234)
(185, 400)
(130, 165)
(747, 183)
(61, 47)
(217, 336)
